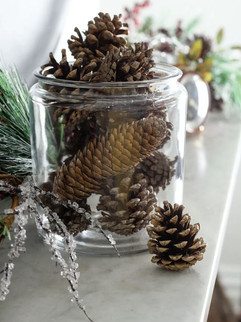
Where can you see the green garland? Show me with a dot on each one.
(227, 75)
(15, 148)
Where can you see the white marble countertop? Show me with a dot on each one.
(131, 288)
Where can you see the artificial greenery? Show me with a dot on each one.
(15, 148)
(4, 231)
(192, 62)
(216, 64)
(227, 77)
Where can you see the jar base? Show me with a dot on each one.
(93, 243)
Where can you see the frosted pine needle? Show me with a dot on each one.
(15, 148)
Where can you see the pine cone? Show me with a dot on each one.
(59, 70)
(103, 56)
(106, 72)
(75, 222)
(76, 138)
(158, 170)
(102, 34)
(70, 116)
(173, 238)
(108, 155)
(135, 64)
(126, 208)
(123, 64)
(76, 71)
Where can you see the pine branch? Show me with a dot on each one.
(15, 147)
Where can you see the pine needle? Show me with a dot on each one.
(15, 147)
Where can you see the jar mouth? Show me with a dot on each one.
(163, 73)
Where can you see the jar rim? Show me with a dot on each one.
(163, 72)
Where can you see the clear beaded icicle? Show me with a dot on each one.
(30, 198)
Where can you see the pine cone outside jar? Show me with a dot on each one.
(173, 238)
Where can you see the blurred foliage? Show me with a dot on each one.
(216, 64)
(192, 62)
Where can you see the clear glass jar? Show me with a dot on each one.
(116, 149)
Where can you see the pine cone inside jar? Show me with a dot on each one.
(102, 55)
(107, 59)
(173, 238)
(114, 153)
(135, 64)
(158, 170)
(78, 137)
(58, 70)
(121, 65)
(71, 116)
(126, 208)
(74, 221)
(103, 33)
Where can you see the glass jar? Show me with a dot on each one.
(116, 150)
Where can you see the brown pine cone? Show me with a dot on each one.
(106, 72)
(126, 208)
(118, 64)
(79, 70)
(58, 70)
(77, 138)
(116, 152)
(75, 222)
(103, 56)
(70, 116)
(135, 64)
(158, 170)
(173, 238)
(102, 34)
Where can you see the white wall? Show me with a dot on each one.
(78, 13)
(214, 14)
(31, 28)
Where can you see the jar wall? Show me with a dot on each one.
(117, 150)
